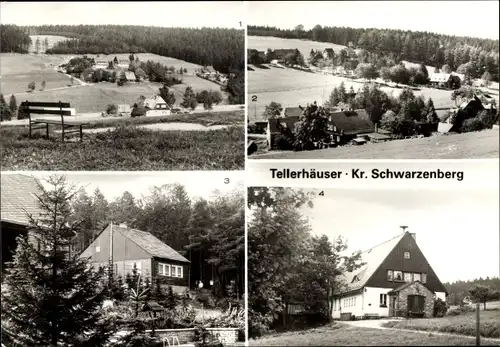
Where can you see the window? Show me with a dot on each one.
(424, 278)
(383, 300)
(408, 277)
(398, 276)
(417, 277)
(390, 275)
(407, 255)
(97, 249)
(163, 269)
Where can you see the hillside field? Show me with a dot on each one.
(477, 145)
(18, 70)
(291, 87)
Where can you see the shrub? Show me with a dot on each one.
(460, 310)
(472, 124)
(138, 111)
(5, 113)
(111, 109)
(440, 308)
(487, 118)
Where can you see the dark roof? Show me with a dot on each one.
(329, 51)
(19, 198)
(284, 51)
(150, 243)
(352, 122)
(403, 286)
(293, 112)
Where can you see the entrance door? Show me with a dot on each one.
(392, 307)
(416, 305)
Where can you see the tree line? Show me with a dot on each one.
(210, 233)
(13, 39)
(287, 264)
(459, 290)
(221, 48)
(482, 55)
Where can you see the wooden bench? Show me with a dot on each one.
(51, 108)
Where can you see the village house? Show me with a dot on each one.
(280, 54)
(396, 280)
(444, 80)
(123, 64)
(328, 54)
(100, 64)
(19, 198)
(126, 247)
(276, 125)
(156, 106)
(130, 76)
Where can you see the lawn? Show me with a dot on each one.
(125, 148)
(340, 334)
(473, 145)
(95, 98)
(463, 324)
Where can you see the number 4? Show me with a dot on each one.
(322, 193)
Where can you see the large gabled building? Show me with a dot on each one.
(396, 280)
(126, 247)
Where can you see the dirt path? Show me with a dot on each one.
(162, 127)
(377, 324)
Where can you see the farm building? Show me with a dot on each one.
(396, 280)
(124, 64)
(19, 197)
(328, 53)
(123, 109)
(345, 126)
(156, 106)
(275, 126)
(445, 80)
(125, 248)
(130, 76)
(280, 54)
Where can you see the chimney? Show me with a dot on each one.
(414, 236)
(404, 227)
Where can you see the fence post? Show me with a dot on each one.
(478, 335)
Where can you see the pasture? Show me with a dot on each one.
(19, 70)
(291, 88)
(338, 334)
(262, 43)
(464, 324)
(482, 144)
(126, 147)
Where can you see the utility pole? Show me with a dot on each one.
(110, 270)
(478, 335)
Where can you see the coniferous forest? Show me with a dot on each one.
(419, 47)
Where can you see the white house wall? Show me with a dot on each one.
(352, 304)
(371, 304)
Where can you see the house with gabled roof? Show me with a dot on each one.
(395, 280)
(19, 200)
(126, 247)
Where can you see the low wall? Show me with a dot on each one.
(224, 335)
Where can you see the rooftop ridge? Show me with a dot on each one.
(380, 244)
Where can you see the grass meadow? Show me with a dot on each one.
(481, 144)
(125, 148)
(338, 334)
(464, 324)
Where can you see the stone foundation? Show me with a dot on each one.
(401, 297)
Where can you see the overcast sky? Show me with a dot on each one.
(114, 184)
(457, 230)
(163, 14)
(461, 18)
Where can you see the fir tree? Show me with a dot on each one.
(171, 299)
(189, 99)
(52, 297)
(13, 104)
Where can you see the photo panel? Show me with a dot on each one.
(365, 80)
(94, 86)
(155, 257)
